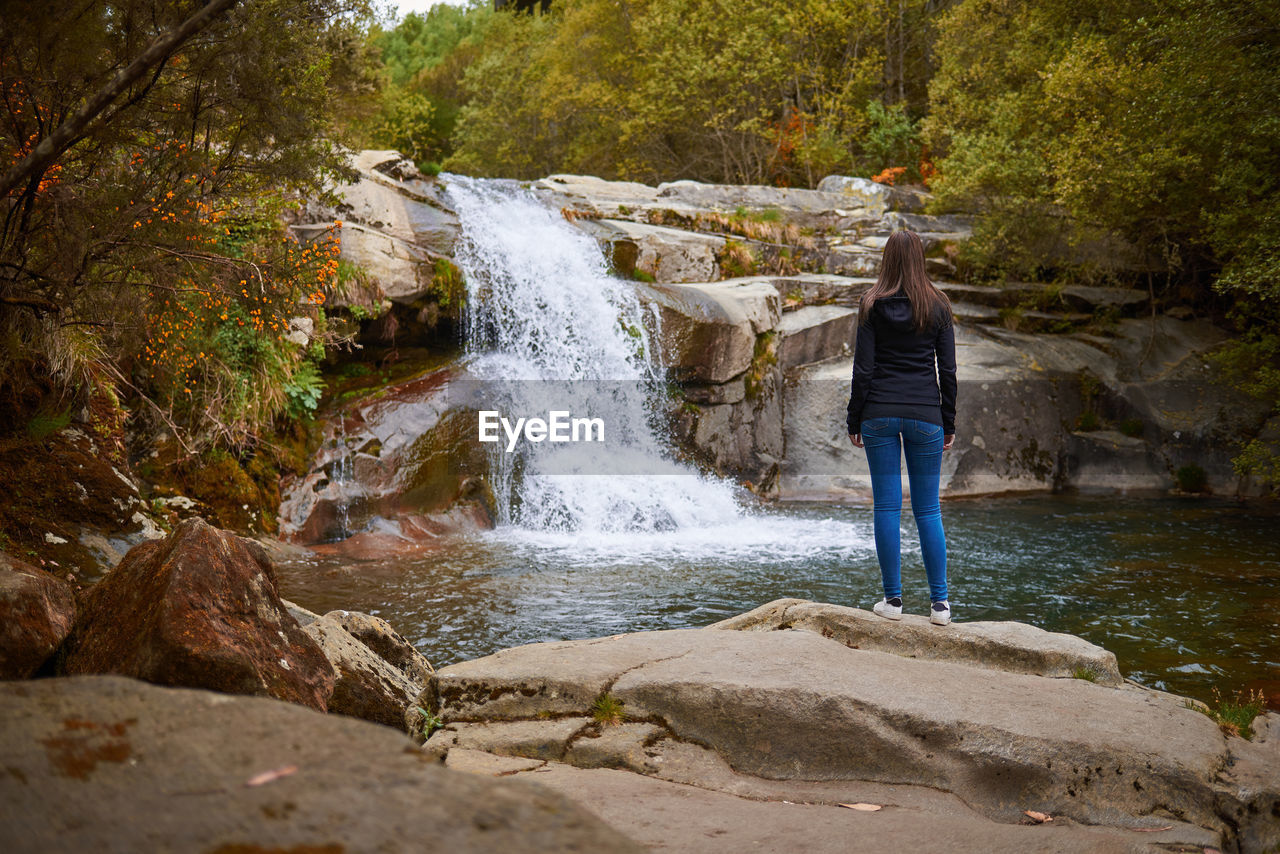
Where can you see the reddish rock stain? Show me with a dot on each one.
(76, 756)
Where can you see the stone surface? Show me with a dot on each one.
(664, 254)
(389, 645)
(710, 330)
(1008, 646)
(536, 739)
(198, 609)
(394, 222)
(111, 764)
(792, 705)
(1020, 396)
(405, 458)
(36, 613)
(814, 334)
(364, 686)
(773, 816)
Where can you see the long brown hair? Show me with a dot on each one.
(902, 270)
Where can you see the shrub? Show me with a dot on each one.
(1191, 478)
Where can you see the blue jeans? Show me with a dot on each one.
(885, 439)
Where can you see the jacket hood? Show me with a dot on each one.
(896, 309)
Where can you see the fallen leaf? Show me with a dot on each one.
(274, 774)
(1037, 817)
(864, 807)
(1152, 829)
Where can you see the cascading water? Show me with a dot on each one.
(543, 313)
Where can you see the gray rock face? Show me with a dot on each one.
(813, 333)
(793, 705)
(394, 222)
(710, 331)
(36, 613)
(110, 764)
(1020, 397)
(364, 686)
(664, 254)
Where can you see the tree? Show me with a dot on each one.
(149, 255)
(1151, 121)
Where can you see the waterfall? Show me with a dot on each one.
(546, 322)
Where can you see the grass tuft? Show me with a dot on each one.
(1234, 716)
(607, 710)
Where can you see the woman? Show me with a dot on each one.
(903, 397)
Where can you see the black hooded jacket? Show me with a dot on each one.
(899, 371)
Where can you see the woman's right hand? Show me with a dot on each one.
(948, 441)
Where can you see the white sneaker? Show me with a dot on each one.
(890, 609)
(940, 613)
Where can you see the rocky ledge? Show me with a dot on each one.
(105, 763)
(819, 703)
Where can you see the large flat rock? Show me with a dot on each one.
(113, 765)
(771, 816)
(793, 705)
(1009, 646)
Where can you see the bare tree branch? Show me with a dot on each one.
(70, 131)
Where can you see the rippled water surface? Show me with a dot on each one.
(1186, 592)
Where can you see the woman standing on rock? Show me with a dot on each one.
(903, 397)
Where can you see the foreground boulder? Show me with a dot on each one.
(694, 705)
(364, 686)
(112, 764)
(199, 609)
(36, 613)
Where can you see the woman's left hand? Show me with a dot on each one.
(856, 439)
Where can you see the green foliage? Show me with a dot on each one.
(1234, 716)
(763, 358)
(426, 724)
(1132, 427)
(607, 710)
(303, 389)
(423, 58)
(46, 423)
(892, 140)
(762, 91)
(1191, 478)
(1085, 673)
(447, 286)
(134, 255)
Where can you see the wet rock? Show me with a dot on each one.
(364, 686)
(198, 609)
(36, 613)
(709, 331)
(1009, 646)
(405, 455)
(378, 635)
(111, 764)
